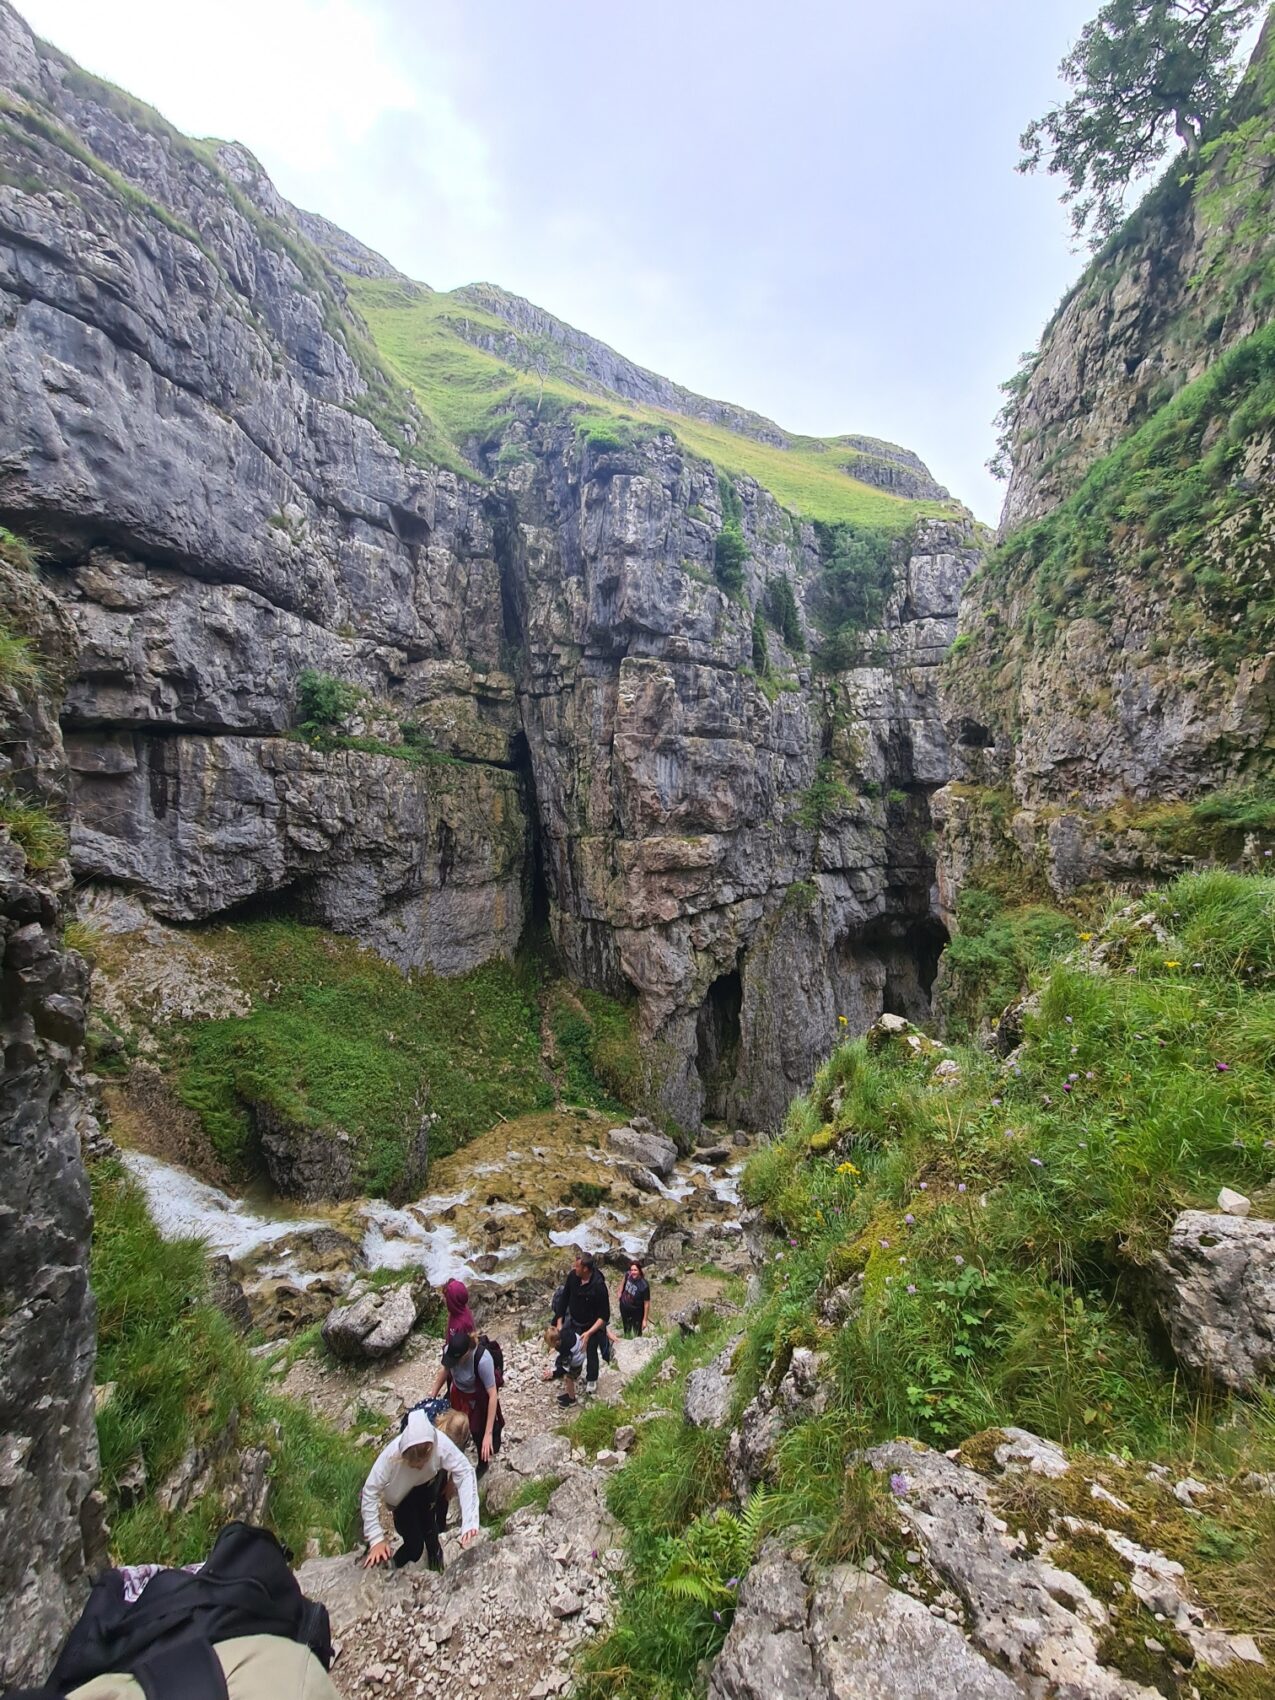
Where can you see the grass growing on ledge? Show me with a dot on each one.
(182, 1376)
(339, 1039)
(42, 838)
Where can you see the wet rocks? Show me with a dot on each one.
(652, 1151)
(1215, 1289)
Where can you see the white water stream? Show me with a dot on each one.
(395, 1237)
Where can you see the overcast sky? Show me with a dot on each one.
(807, 208)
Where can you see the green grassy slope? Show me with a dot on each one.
(466, 391)
(1001, 1224)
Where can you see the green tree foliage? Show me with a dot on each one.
(781, 611)
(1143, 72)
(731, 549)
(761, 654)
(855, 583)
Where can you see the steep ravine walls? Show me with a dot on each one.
(195, 435)
(1116, 661)
(50, 1519)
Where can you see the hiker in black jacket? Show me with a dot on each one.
(588, 1304)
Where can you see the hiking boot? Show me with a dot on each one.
(566, 1398)
(590, 1387)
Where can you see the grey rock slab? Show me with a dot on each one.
(652, 1151)
(707, 1400)
(873, 1642)
(372, 1326)
(1215, 1289)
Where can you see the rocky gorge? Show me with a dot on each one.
(536, 812)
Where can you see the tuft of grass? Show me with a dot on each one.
(182, 1375)
(42, 838)
(19, 667)
(16, 552)
(595, 1048)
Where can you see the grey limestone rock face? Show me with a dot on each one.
(707, 1400)
(51, 1529)
(1215, 1288)
(192, 452)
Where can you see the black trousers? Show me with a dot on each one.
(632, 1320)
(592, 1347)
(418, 1517)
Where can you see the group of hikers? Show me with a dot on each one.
(424, 1468)
(236, 1624)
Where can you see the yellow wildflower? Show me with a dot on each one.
(1174, 964)
(846, 1169)
(1085, 938)
(842, 1022)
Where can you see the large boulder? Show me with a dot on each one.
(651, 1150)
(1215, 1288)
(372, 1325)
(707, 1400)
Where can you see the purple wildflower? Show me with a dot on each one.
(909, 1218)
(924, 1186)
(911, 1286)
(958, 1259)
(1036, 1160)
(996, 1103)
(1222, 1068)
(885, 1245)
(898, 1484)
(1067, 1086)
(732, 1582)
(1088, 1074)
(960, 1186)
(717, 1617)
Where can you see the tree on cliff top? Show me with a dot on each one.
(1144, 71)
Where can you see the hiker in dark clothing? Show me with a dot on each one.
(587, 1304)
(635, 1300)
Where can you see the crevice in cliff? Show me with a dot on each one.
(718, 1037)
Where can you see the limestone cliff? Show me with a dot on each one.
(1115, 661)
(50, 1518)
(552, 703)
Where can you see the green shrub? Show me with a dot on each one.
(781, 610)
(182, 1376)
(761, 655)
(324, 702)
(826, 795)
(596, 1047)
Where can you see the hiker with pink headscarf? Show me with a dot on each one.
(460, 1319)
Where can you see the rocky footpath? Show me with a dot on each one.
(51, 1519)
(507, 1616)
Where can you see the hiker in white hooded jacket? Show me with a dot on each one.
(410, 1476)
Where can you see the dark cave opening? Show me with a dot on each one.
(717, 1039)
(912, 967)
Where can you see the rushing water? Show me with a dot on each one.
(470, 1230)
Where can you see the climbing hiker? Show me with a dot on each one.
(473, 1373)
(569, 1361)
(635, 1300)
(587, 1304)
(411, 1477)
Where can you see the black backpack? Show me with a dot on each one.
(497, 1358)
(165, 1638)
